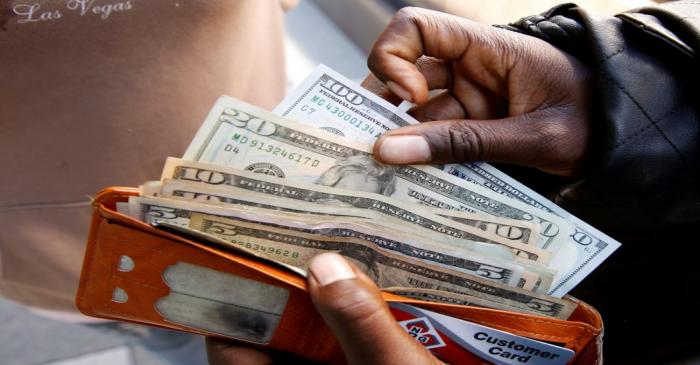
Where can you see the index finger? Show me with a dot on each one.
(223, 352)
(412, 33)
(378, 87)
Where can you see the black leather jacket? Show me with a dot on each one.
(642, 184)
(646, 169)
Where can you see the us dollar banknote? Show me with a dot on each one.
(230, 195)
(177, 169)
(477, 259)
(246, 137)
(330, 101)
(439, 296)
(213, 194)
(592, 246)
(385, 269)
(295, 248)
(491, 226)
(500, 226)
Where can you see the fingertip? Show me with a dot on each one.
(403, 149)
(414, 90)
(224, 352)
(400, 91)
(419, 86)
(327, 268)
(399, 73)
(376, 148)
(379, 88)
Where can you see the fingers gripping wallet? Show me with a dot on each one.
(136, 273)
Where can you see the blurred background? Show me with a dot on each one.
(338, 33)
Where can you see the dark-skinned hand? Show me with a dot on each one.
(353, 309)
(507, 97)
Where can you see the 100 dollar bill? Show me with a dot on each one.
(330, 101)
(326, 99)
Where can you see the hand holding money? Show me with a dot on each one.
(344, 297)
(286, 190)
(526, 101)
(268, 186)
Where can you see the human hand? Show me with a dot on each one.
(353, 309)
(526, 101)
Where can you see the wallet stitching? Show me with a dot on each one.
(581, 326)
(90, 254)
(574, 338)
(305, 337)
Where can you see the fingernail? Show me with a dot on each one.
(328, 268)
(399, 91)
(404, 149)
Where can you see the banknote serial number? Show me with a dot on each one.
(270, 149)
(318, 102)
(270, 250)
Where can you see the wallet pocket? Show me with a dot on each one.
(137, 273)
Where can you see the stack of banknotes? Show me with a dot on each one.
(290, 184)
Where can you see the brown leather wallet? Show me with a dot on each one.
(136, 273)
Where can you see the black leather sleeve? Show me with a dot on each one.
(641, 185)
(644, 165)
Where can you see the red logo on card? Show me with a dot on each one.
(423, 331)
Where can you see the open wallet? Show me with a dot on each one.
(137, 273)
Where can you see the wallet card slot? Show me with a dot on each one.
(229, 305)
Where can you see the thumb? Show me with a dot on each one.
(539, 139)
(224, 352)
(354, 310)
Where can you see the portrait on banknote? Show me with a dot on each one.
(361, 173)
